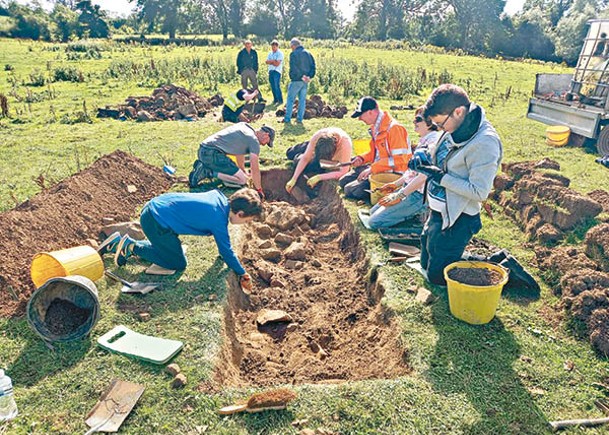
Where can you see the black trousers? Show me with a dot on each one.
(439, 248)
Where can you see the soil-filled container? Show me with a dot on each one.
(475, 304)
(64, 308)
(379, 180)
(81, 260)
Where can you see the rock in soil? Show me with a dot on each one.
(296, 251)
(273, 255)
(179, 381)
(424, 296)
(63, 317)
(283, 239)
(173, 369)
(475, 276)
(144, 317)
(272, 316)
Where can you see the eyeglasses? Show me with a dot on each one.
(443, 123)
(418, 119)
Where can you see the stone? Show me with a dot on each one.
(272, 316)
(315, 262)
(93, 243)
(107, 220)
(292, 327)
(265, 273)
(264, 231)
(131, 188)
(283, 239)
(306, 432)
(294, 265)
(144, 116)
(144, 317)
(265, 244)
(173, 369)
(273, 255)
(296, 251)
(179, 381)
(275, 282)
(424, 296)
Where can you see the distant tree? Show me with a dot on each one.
(263, 24)
(553, 10)
(30, 23)
(92, 20)
(162, 13)
(321, 19)
(66, 22)
(571, 29)
(235, 17)
(476, 20)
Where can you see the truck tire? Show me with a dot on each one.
(602, 143)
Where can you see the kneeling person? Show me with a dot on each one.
(170, 215)
(238, 140)
(235, 103)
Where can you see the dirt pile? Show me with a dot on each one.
(540, 201)
(168, 102)
(597, 245)
(316, 108)
(602, 197)
(311, 273)
(69, 213)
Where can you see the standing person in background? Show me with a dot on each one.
(247, 67)
(275, 62)
(401, 203)
(302, 70)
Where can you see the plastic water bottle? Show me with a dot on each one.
(8, 407)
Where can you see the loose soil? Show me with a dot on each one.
(306, 259)
(475, 276)
(67, 215)
(63, 317)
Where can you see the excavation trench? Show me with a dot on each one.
(306, 260)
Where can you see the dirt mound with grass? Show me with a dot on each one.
(314, 313)
(70, 214)
(540, 201)
(167, 103)
(316, 108)
(602, 197)
(597, 245)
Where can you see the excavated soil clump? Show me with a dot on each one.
(602, 197)
(168, 102)
(597, 245)
(69, 214)
(313, 314)
(541, 202)
(475, 276)
(316, 108)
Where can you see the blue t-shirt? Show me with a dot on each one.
(197, 214)
(436, 194)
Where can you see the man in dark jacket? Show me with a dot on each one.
(302, 70)
(247, 67)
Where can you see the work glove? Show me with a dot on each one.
(388, 188)
(419, 158)
(261, 194)
(390, 200)
(290, 185)
(246, 282)
(432, 172)
(312, 182)
(357, 161)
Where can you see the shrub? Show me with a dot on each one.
(68, 74)
(37, 78)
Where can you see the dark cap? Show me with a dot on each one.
(363, 105)
(271, 132)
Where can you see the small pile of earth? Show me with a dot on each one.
(539, 200)
(475, 276)
(63, 317)
(406, 107)
(317, 108)
(602, 197)
(314, 313)
(69, 214)
(167, 103)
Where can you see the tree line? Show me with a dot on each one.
(544, 29)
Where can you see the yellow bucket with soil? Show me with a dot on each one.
(81, 260)
(557, 135)
(361, 146)
(379, 180)
(475, 304)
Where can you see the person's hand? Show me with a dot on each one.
(389, 200)
(290, 185)
(419, 158)
(312, 182)
(261, 194)
(357, 161)
(306, 79)
(245, 281)
(433, 172)
(388, 188)
(364, 174)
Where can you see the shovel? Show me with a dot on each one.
(331, 164)
(113, 406)
(135, 286)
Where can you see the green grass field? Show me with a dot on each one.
(504, 377)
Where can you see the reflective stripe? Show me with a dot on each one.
(233, 103)
(391, 162)
(400, 151)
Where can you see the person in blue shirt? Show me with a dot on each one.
(167, 216)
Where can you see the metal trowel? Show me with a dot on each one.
(135, 286)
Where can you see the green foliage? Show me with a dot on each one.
(37, 78)
(68, 74)
(84, 49)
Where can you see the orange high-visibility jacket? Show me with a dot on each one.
(392, 144)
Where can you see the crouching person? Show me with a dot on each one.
(170, 215)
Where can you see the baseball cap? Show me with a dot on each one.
(271, 132)
(363, 105)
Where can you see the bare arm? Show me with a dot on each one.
(241, 162)
(255, 166)
(306, 157)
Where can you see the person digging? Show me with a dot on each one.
(232, 111)
(237, 140)
(170, 215)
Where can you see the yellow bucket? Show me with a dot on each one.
(361, 146)
(557, 135)
(81, 260)
(379, 180)
(475, 305)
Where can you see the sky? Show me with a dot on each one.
(347, 7)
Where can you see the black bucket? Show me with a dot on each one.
(64, 308)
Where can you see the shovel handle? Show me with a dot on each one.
(584, 422)
(117, 278)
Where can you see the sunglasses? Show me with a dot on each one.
(418, 119)
(443, 123)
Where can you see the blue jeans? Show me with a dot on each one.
(383, 217)
(275, 81)
(300, 89)
(163, 246)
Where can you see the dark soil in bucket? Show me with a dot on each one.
(475, 276)
(63, 317)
